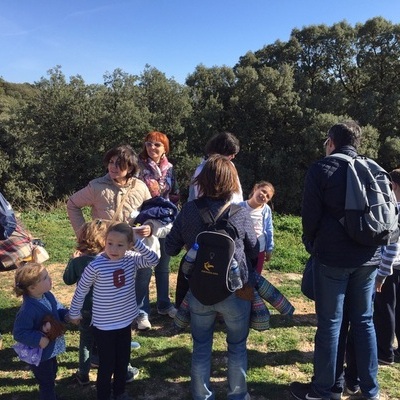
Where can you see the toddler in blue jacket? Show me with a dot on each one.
(33, 334)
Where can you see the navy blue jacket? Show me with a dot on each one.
(188, 224)
(322, 207)
(29, 321)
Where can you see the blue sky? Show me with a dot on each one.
(92, 37)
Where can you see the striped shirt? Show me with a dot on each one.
(114, 299)
(390, 258)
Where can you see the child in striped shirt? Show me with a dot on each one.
(112, 275)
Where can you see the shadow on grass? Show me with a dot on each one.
(7, 317)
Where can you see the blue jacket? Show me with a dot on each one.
(268, 226)
(322, 207)
(28, 322)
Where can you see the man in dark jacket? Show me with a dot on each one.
(343, 269)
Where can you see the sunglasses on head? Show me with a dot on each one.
(155, 144)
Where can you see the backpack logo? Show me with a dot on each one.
(208, 267)
(371, 214)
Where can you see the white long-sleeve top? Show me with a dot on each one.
(114, 298)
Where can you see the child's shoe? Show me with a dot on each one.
(131, 373)
(82, 379)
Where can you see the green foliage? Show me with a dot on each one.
(279, 101)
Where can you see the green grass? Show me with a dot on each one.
(55, 230)
(276, 357)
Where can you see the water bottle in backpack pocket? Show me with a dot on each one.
(189, 259)
(235, 281)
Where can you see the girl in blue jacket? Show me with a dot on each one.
(261, 215)
(32, 281)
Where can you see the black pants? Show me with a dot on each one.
(387, 316)
(45, 374)
(182, 286)
(114, 354)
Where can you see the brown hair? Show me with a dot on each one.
(260, 184)
(345, 133)
(92, 236)
(126, 159)
(395, 176)
(25, 276)
(121, 227)
(154, 136)
(218, 179)
(224, 143)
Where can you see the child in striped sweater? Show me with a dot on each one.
(112, 275)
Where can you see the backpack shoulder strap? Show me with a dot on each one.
(342, 156)
(205, 212)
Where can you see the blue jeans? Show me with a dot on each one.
(332, 285)
(143, 277)
(45, 374)
(236, 314)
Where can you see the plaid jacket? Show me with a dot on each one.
(16, 247)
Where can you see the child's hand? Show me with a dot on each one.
(75, 321)
(76, 253)
(268, 255)
(44, 341)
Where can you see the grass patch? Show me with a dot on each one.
(275, 357)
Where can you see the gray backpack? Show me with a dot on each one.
(371, 213)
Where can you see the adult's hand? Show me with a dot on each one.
(143, 230)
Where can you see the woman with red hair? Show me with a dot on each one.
(158, 175)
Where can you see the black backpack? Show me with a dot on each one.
(371, 212)
(8, 222)
(209, 279)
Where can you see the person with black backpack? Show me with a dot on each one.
(217, 182)
(344, 270)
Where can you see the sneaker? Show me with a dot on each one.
(303, 391)
(143, 323)
(336, 395)
(83, 379)
(385, 362)
(171, 311)
(352, 390)
(94, 361)
(131, 373)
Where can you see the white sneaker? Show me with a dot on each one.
(143, 323)
(171, 312)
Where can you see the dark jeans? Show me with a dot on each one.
(387, 316)
(45, 374)
(346, 375)
(332, 287)
(114, 354)
(143, 277)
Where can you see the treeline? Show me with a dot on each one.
(279, 101)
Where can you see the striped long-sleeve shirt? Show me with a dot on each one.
(390, 258)
(114, 299)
